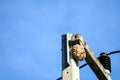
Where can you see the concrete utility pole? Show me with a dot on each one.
(72, 52)
(70, 67)
(75, 49)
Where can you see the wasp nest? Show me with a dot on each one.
(78, 52)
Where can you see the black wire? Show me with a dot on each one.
(83, 66)
(113, 52)
(59, 78)
(108, 53)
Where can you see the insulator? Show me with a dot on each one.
(105, 61)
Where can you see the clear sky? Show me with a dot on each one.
(30, 35)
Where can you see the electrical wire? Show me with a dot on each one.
(113, 52)
(107, 53)
(59, 78)
(83, 66)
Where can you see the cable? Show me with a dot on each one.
(83, 66)
(108, 53)
(59, 78)
(113, 52)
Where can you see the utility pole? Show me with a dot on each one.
(70, 67)
(72, 52)
(75, 49)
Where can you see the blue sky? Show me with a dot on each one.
(30, 35)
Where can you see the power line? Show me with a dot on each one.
(113, 52)
(107, 53)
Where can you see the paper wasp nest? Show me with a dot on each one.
(79, 52)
